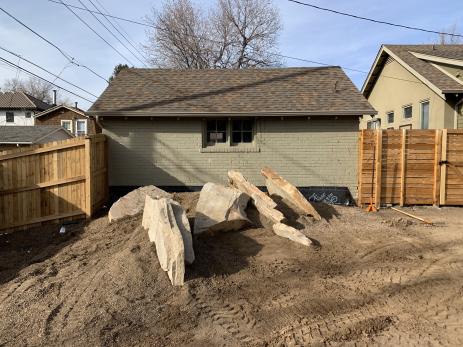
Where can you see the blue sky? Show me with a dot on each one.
(307, 33)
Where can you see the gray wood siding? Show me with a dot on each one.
(167, 152)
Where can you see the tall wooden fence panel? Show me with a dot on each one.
(56, 181)
(408, 167)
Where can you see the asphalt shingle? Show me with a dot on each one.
(25, 134)
(21, 100)
(324, 90)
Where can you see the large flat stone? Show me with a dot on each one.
(133, 202)
(292, 234)
(290, 195)
(167, 237)
(220, 208)
(264, 204)
(151, 213)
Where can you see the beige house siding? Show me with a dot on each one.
(392, 94)
(167, 152)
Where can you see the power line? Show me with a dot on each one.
(95, 32)
(45, 80)
(373, 20)
(126, 36)
(47, 71)
(107, 29)
(216, 41)
(71, 59)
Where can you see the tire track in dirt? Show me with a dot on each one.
(234, 319)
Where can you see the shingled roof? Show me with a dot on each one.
(308, 91)
(27, 134)
(414, 57)
(21, 100)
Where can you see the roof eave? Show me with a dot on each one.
(225, 114)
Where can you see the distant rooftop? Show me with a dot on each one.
(26, 134)
(21, 100)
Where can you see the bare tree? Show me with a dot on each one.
(450, 39)
(234, 34)
(32, 86)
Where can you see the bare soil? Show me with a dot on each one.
(374, 279)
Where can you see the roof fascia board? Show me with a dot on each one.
(447, 73)
(415, 73)
(231, 114)
(52, 109)
(373, 67)
(435, 59)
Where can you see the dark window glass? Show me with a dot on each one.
(28, 115)
(216, 131)
(390, 117)
(242, 131)
(10, 117)
(408, 112)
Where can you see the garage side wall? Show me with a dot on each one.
(167, 152)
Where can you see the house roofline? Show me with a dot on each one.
(57, 107)
(52, 132)
(437, 59)
(415, 73)
(225, 114)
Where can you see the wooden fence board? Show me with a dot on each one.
(411, 167)
(52, 182)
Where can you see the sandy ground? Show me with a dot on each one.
(375, 279)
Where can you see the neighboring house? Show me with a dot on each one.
(416, 87)
(18, 136)
(18, 108)
(188, 127)
(72, 119)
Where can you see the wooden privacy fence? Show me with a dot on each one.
(56, 181)
(408, 167)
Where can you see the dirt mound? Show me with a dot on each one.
(369, 283)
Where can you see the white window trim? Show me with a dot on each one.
(67, 120)
(403, 111)
(421, 112)
(387, 117)
(85, 122)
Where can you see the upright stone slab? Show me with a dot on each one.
(166, 235)
(292, 234)
(264, 204)
(220, 208)
(151, 214)
(133, 202)
(277, 185)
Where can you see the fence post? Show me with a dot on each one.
(88, 177)
(402, 166)
(437, 159)
(379, 157)
(360, 168)
(443, 169)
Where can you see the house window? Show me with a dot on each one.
(406, 126)
(10, 117)
(67, 124)
(28, 114)
(216, 131)
(425, 115)
(241, 131)
(81, 127)
(408, 111)
(390, 117)
(374, 124)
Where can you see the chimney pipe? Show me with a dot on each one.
(75, 104)
(54, 97)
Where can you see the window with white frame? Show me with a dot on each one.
(67, 124)
(425, 114)
(81, 127)
(408, 111)
(390, 117)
